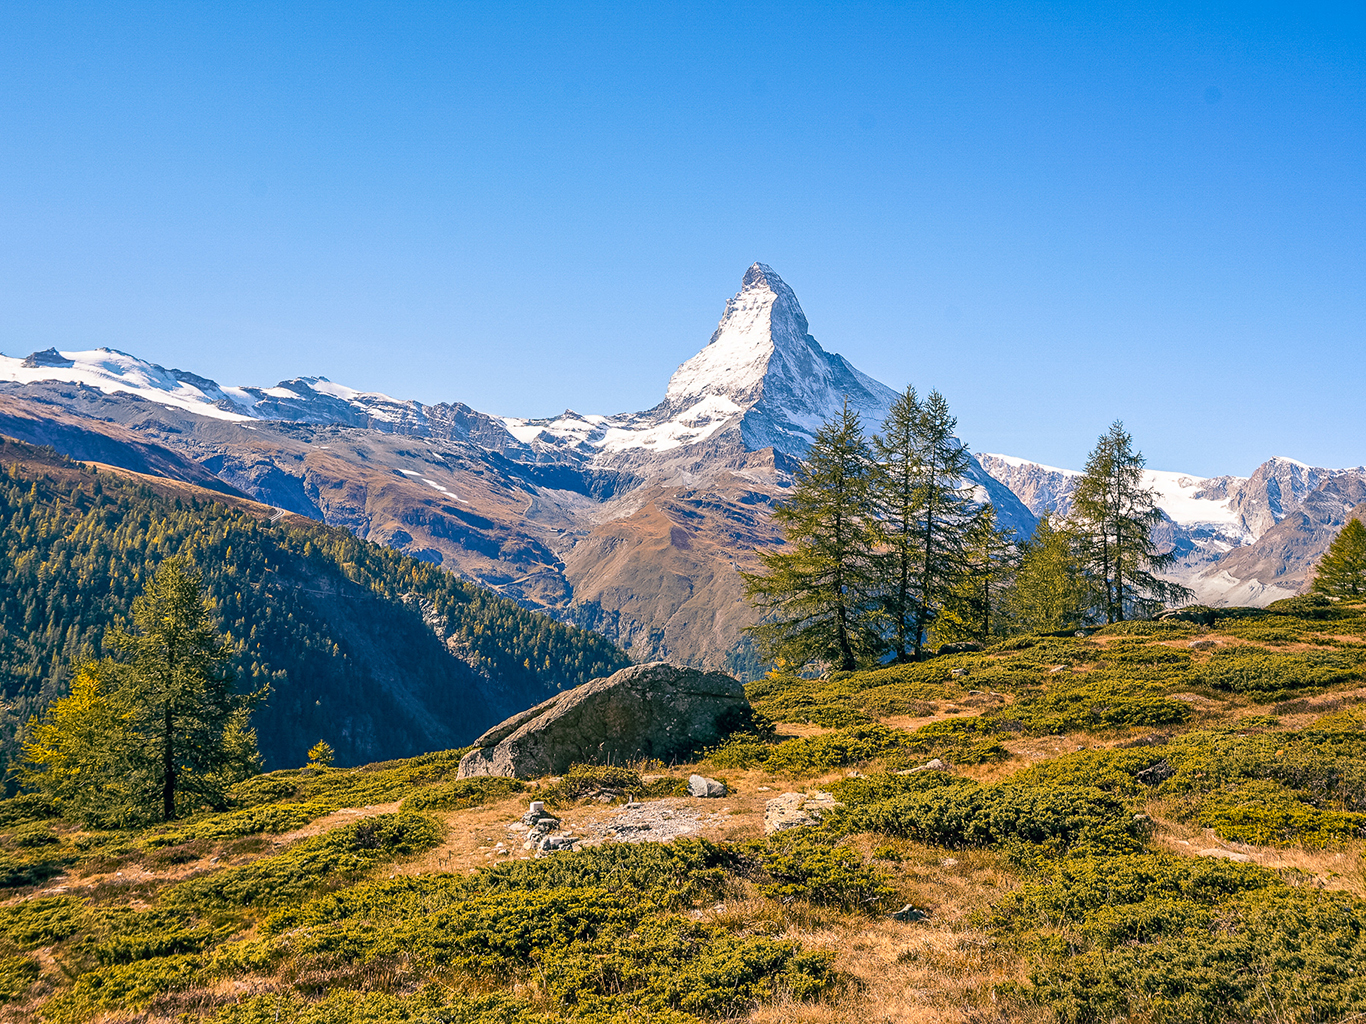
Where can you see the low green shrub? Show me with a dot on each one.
(1185, 940)
(311, 865)
(1055, 819)
(17, 974)
(41, 922)
(274, 819)
(1114, 770)
(124, 987)
(124, 936)
(1267, 813)
(462, 794)
(802, 865)
(25, 807)
(430, 1005)
(1253, 670)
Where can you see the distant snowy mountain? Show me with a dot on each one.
(762, 381)
(633, 523)
(1210, 518)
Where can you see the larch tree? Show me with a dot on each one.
(944, 508)
(972, 610)
(1049, 591)
(1341, 572)
(817, 591)
(897, 497)
(166, 720)
(1114, 516)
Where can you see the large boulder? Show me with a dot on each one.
(654, 710)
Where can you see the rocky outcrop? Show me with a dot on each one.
(654, 710)
(797, 810)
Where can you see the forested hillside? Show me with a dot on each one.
(343, 631)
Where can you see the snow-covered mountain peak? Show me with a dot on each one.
(762, 319)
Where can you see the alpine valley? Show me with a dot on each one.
(633, 525)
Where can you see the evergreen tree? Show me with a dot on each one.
(1049, 591)
(320, 755)
(166, 722)
(1341, 571)
(897, 496)
(818, 590)
(925, 513)
(84, 753)
(1114, 515)
(972, 610)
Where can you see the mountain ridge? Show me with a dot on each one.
(633, 523)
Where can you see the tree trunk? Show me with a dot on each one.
(168, 770)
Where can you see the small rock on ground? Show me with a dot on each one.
(701, 786)
(793, 810)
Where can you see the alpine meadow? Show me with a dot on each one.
(445, 580)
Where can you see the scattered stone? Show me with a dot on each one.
(1202, 645)
(958, 673)
(931, 766)
(909, 914)
(793, 810)
(949, 862)
(1155, 773)
(654, 710)
(700, 786)
(1242, 858)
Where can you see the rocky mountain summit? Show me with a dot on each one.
(632, 524)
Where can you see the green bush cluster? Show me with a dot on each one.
(1053, 818)
(463, 793)
(274, 819)
(1268, 814)
(324, 861)
(1242, 669)
(17, 973)
(595, 929)
(802, 864)
(1187, 941)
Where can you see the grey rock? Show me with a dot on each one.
(654, 710)
(47, 357)
(1155, 774)
(935, 765)
(701, 786)
(963, 647)
(795, 810)
(909, 914)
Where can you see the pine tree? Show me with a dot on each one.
(925, 512)
(1341, 572)
(817, 591)
(320, 755)
(1049, 591)
(166, 722)
(972, 610)
(897, 496)
(1114, 514)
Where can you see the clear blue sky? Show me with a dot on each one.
(1057, 214)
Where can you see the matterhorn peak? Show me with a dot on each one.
(762, 334)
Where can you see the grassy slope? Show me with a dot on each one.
(1157, 823)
